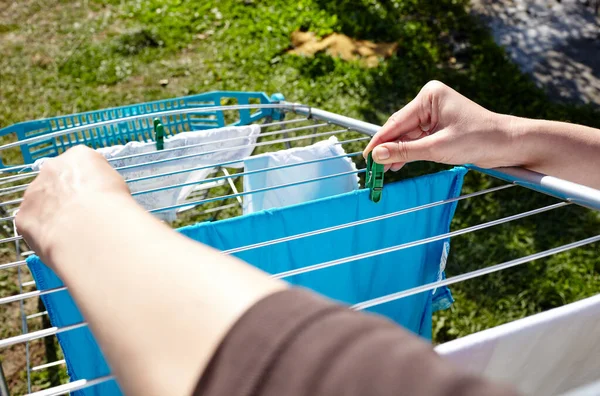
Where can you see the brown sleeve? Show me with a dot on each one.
(295, 343)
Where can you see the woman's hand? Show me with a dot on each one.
(79, 177)
(441, 125)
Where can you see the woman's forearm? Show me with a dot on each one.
(442, 125)
(158, 303)
(568, 151)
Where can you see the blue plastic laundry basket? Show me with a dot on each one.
(136, 130)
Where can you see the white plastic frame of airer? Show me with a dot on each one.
(566, 191)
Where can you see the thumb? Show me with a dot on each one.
(393, 152)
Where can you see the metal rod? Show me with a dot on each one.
(365, 221)
(44, 366)
(232, 185)
(218, 208)
(350, 123)
(15, 178)
(288, 145)
(38, 334)
(13, 264)
(360, 139)
(3, 385)
(176, 172)
(72, 386)
(229, 177)
(10, 239)
(11, 202)
(14, 189)
(549, 185)
(473, 274)
(24, 326)
(270, 124)
(80, 128)
(407, 245)
(37, 315)
(196, 203)
(26, 295)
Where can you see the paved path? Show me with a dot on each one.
(558, 43)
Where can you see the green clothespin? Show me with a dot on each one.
(159, 134)
(374, 180)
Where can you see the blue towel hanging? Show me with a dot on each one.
(350, 283)
(364, 279)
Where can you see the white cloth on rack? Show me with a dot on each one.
(240, 140)
(592, 389)
(544, 354)
(302, 192)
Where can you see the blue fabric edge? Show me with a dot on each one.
(443, 298)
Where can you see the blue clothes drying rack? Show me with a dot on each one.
(284, 123)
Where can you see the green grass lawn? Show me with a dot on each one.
(61, 57)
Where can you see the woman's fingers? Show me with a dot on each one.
(402, 152)
(396, 166)
(393, 167)
(404, 121)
